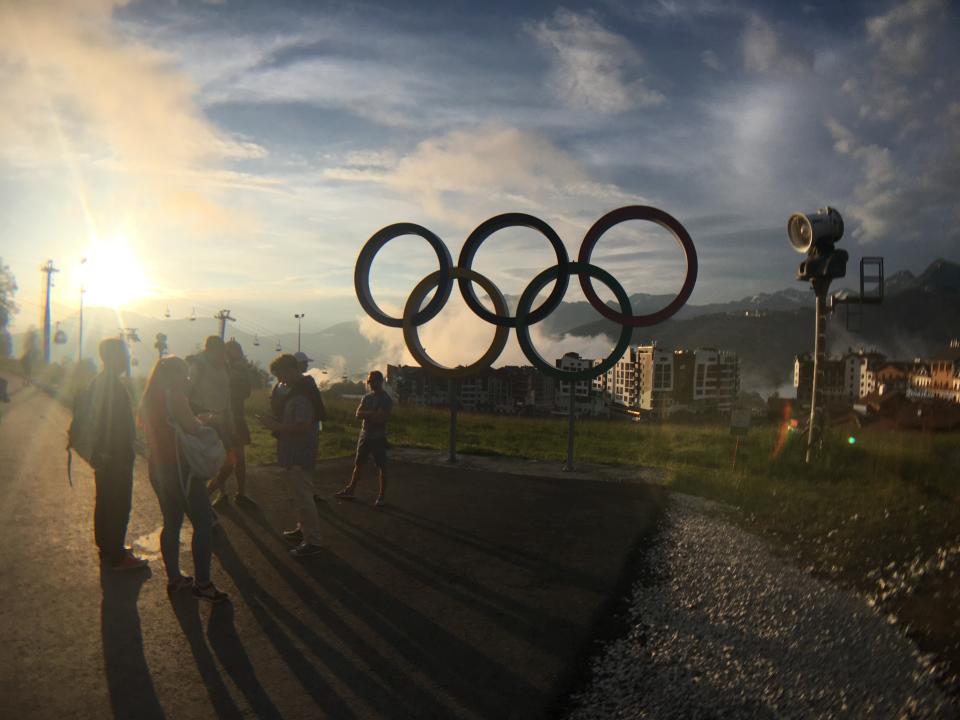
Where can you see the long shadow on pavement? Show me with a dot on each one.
(397, 687)
(508, 554)
(452, 664)
(132, 693)
(280, 626)
(229, 650)
(517, 618)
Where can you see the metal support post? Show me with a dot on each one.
(571, 419)
(48, 269)
(80, 331)
(454, 400)
(815, 433)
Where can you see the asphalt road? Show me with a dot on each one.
(472, 594)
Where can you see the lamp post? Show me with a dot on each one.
(299, 317)
(816, 234)
(83, 262)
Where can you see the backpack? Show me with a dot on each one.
(307, 387)
(312, 392)
(82, 435)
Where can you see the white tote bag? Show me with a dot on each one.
(203, 451)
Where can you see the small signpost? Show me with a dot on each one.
(739, 426)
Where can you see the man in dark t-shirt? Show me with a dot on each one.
(374, 410)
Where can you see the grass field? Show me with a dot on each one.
(886, 498)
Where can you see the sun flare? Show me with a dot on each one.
(112, 274)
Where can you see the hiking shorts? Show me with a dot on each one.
(372, 446)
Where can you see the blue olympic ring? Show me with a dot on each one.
(442, 279)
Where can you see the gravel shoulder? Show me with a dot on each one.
(723, 628)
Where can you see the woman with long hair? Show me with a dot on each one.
(164, 403)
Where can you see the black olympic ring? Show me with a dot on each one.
(465, 275)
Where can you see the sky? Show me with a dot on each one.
(237, 154)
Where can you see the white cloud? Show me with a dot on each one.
(459, 337)
(78, 96)
(593, 68)
(903, 35)
(764, 50)
(876, 195)
(711, 60)
(373, 89)
(892, 84)
(675, 10)
(461, 175)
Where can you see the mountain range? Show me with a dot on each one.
(919, 316)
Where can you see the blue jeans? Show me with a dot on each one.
(173, 505)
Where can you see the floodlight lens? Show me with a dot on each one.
(799, 232)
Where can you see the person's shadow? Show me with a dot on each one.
(132, 694)
(227, 646)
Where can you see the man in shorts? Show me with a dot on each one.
(374, 410)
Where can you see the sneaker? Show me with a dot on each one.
(222, 500)
(130, 562)
(305, 550)
(243, 500)
(344, 494)
(210, 593)
(180, 583)
(380, 502)
(294, 536)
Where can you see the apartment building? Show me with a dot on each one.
(945, 380)
(647, 378)
(586, 400)
(656, 375)
(510, 389)
(857, 374)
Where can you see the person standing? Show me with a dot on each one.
(374, 410)
(297, 413)
(303, 360)
(113, 456)
(210, 394)
(164, 403)
(240, 389)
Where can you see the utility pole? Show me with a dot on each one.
(223, 316)
(49, 270)
(80, 331)
(299, 317)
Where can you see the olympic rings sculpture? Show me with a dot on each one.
(414, 315)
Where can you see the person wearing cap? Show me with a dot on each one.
(303, 361)
(296, 425)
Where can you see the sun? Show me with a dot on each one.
(112, 274)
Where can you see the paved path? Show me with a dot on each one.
(471, 595)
